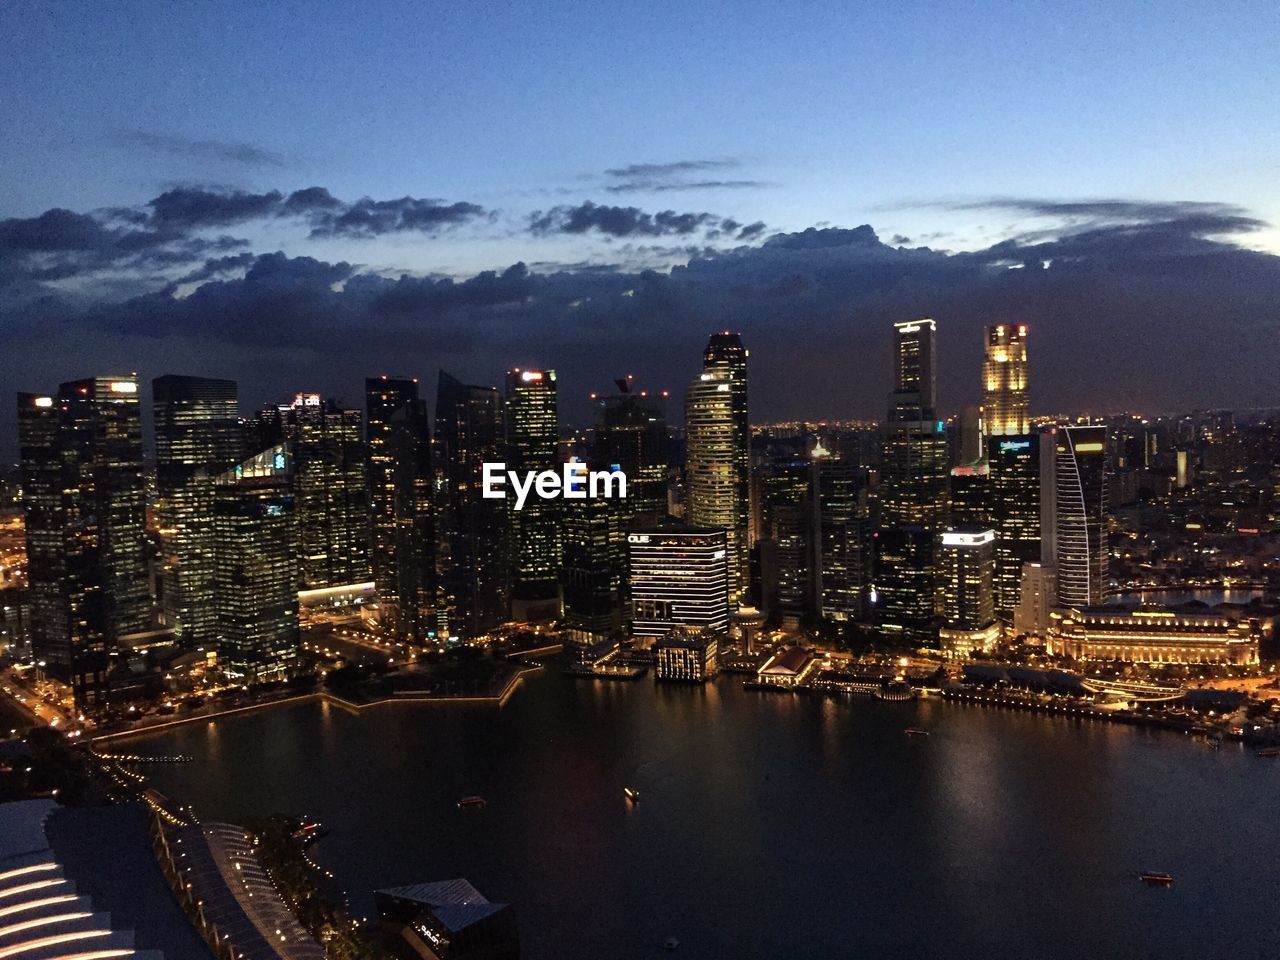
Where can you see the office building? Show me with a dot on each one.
(904, 592)
(473, 569)
(533, 445)
(256, 567)
(85, 503)
(686, 656)
(972, 498)
(331, 491)
(594, 566)
(967, 560)
(1081, 543)
(787, 527)
(914, 461)
(841, 565)
(1037, 598)
(631, 434)
(400, 477)
(1005, 404)
(1015, 468)
(198, 437)
(717, 451)
(678, 577)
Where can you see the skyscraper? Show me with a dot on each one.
(400, 505)
(198, 437)
(86, 538)
(331, 492)
(838, 489)
(1082, 548)
(631, 431)
(718, 450)
(1006, 411)
(1015, 467)
(256, 567)
(533, 444)
(594, 568)
(679, 577)
(472, 562)
(913, 496)
(968, 605)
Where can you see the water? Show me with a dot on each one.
(771, 825)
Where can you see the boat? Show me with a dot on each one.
(670, 943)
(471, 802)
(631, 794)
(1270, 752)
(916, 732)
(1156, 879)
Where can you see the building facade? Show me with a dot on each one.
(678, 577)
(533, 444)
(1081, 543)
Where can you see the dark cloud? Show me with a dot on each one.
(1158, 314)
(311, 198)
(193, 207)
(619, 221)
(673, 168)
(371, 218)
(223, 151)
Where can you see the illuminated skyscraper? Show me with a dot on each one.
(841, 568)
(679, 577)
(717, 451)
(1006, 412)
(1015, 465)
(198, 437)
(968, 604)
(472, 563)
(332, 494)
(594, 567)
(400, 505)
(85, 514)
(1081, 542)
(914, 494)
(533, 445)
(256, 567)
(631, 431)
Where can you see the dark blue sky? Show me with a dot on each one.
(1132, 145)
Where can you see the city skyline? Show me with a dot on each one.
(173, 227)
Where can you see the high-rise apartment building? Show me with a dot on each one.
(1081, 544)
(717, 451)
(533, 445)
(400, 476)
(86, 527)
(679, 577)
(198, 437)
(256, 567)
(473, 569)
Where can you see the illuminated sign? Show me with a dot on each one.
(123, 386)
(1015, 445)
(278, 461)
(637, 538)
(954, 539)
(1088, 448)
(44, 401)
(531, 375)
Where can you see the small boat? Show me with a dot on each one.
(916, 732)
(631, 794)
(670, 943)
(1156, 879)
(471, 803)
(1270, 753)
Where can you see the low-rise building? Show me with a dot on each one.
(1157, 635)
(788, 667)
(686, 655)
(446, 920)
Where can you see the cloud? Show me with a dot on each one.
(195, 207)
(222, 151)
(674, 176)
(619, 221)
(371, 218)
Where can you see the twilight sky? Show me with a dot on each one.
(296, 195)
